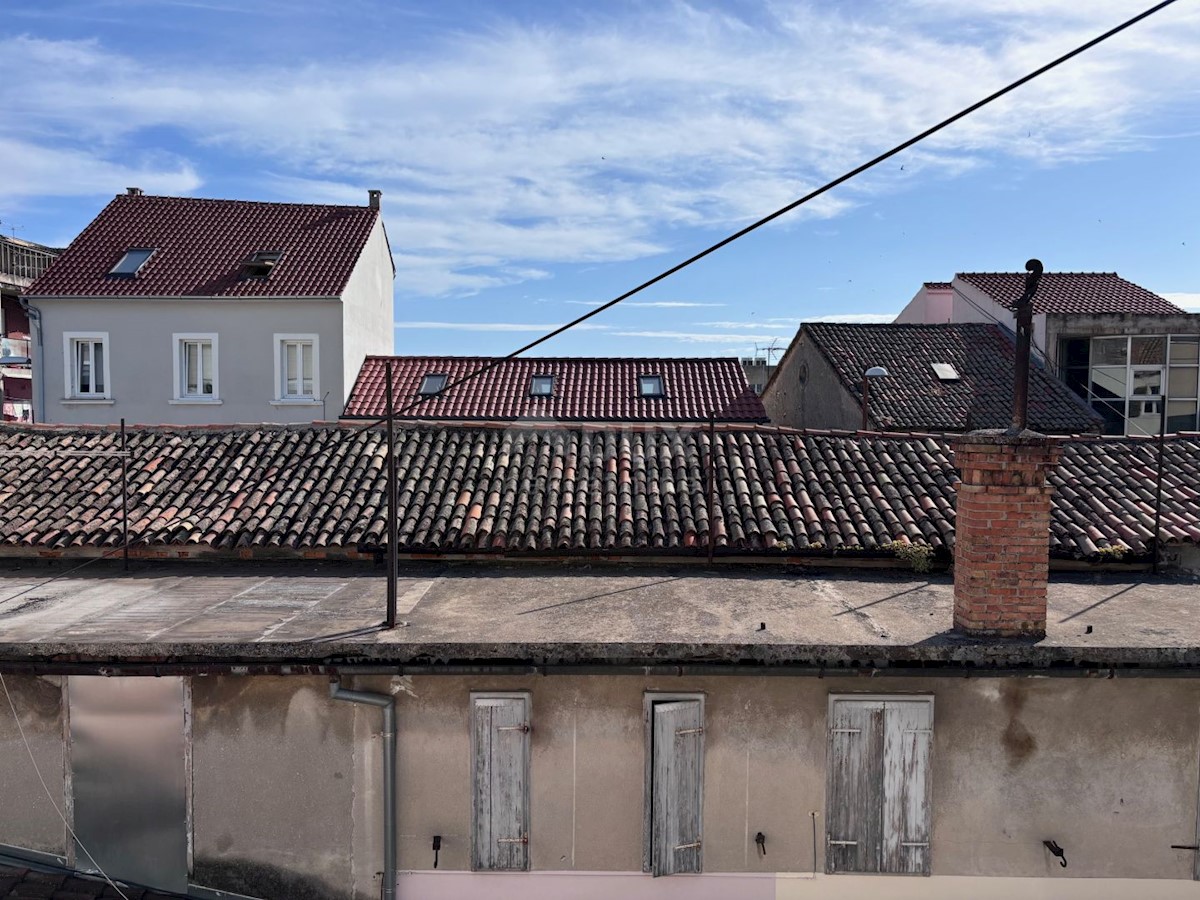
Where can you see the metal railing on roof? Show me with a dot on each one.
(21, 261)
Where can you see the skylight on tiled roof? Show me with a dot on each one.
(650, 386)
(541, 386)
(945, 372)
(131, 263)
(432, 384)
(261, 263)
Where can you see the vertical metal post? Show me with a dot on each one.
(1158, 490)
(124, 497)
(392, 550)
(712, 485)
(866, 394)
(1020, 412)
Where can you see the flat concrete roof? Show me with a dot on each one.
(327, 616)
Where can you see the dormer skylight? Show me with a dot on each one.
(650, 386)
(261, 263)
(431, 385)
(945, 372)
(541, 386)
(131, 263)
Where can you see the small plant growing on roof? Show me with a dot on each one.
(1112, 553)
(918, 556)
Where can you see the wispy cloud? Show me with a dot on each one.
(749, 326)
(1187, 299)
(697, 337)
(492, 326)
(647, 304)
(855, 318)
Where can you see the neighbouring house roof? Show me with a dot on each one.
(572, 491)
(938, 285)
(585, 390)
(913, 397)
(18, 881)
(1079, 293)
(200, 247)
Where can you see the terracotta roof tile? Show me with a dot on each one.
(585, 390)
(558, 490)
(1073, 292)
(200, 246)
(912, 396)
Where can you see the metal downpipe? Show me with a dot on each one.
(388, 704)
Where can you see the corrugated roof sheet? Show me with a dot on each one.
(585, 390)
(557, 490)
(200, 246)
(912, 397)
(1073, 292)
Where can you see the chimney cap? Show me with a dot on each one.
(374, 196)
(134, 191)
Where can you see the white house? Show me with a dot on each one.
(187, 311)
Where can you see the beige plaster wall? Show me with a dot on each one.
(806, 392)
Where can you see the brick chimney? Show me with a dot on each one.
(1002, 533)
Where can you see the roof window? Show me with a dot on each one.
(650, 386)
(261, 263)
(541, 386)
(432, 385)
(945, 372)
(131, 263)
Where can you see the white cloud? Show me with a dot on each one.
(1188, 300)
(697, 337)
(768, 324)
(856, 318)
(493, 326)
(504, 151)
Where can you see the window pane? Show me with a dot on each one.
(650, 385)
(1113, 414)
(1147, 383)
(1183, 381)
(1181, 415)
(1148, 351)
(98, 361)
(306, 355)
(206, 357)
(1185, 348)
(191, 368)
(1075, 352)
(83, 366)
(1110, 351)
(1108, 383)
(1145, 416)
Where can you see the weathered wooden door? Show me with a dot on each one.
(500, 807)
(677, 761)
(878, 805)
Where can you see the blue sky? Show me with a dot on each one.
(538, 158)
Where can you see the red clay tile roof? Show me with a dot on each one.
(912, 397)
(938, 285)
(584, 490)
(201, 244)
(585, 390)
(1073, 292)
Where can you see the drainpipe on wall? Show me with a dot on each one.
(39, 379)
(388, 704)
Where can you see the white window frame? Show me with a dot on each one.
(649, 699)
(70, 381)
(526, 698)
(831, 770)
(178, 396)
(281, 395)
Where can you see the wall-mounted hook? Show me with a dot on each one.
(761, 840)
(1056, 850)
(437, 845)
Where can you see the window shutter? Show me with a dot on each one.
(856, 748)
(906, 785)
(501, 783)
(677, 756)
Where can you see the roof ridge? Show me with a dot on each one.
(140, 198)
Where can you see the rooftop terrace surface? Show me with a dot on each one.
(179, 615)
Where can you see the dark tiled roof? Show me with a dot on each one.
(31, 884)
(912, 397)
(938, 285)
(531, 490)
(585, 390)
(1073, 292)
(201, 244)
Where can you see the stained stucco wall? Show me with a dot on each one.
(806, 392)
(27, 817)
(367, 316)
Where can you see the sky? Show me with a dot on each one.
(537, 159)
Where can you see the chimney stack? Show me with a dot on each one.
(1002, 533)
(374, 196)
(134, 191)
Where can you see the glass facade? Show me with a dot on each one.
(1127, 380)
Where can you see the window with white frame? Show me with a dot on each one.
(296, 367)
(500, 782)
(878, 799)
(674, 791)
(196, 367)
(86, 370)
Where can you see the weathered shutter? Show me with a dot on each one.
(854, 823)
(677, 755)
(501, 783)
(906, 784)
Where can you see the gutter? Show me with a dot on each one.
(39, 380)
(387, 703)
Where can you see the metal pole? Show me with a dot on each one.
(866, 399)
(1020, 413)
(392, 531)
(1158, 492)
(124, 498)
(712, 485)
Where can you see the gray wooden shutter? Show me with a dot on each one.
(677, 755)
(906, 785)
(853, 810)
(500, 802)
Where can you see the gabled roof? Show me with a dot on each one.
(539, 490)
(585, 390)
(913, 397)
(1073, 293)
(200, 246)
